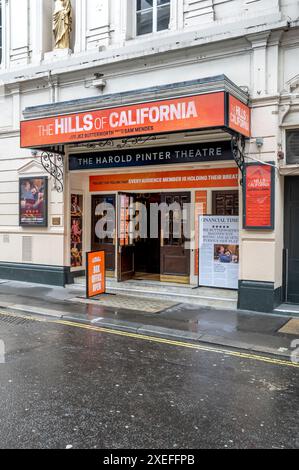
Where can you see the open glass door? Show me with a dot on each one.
(175, 257)
(126, 239)
(102, 236)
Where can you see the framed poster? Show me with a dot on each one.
(219, 251)
(259, 197)
(95, 274)
(33, 202)
(76, 231)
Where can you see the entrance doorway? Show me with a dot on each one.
(150, 253)
(147, 250)
(291, 237)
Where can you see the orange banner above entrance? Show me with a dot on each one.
(218, 178)
(204, 111)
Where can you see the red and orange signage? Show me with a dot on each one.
(193, 112)
(95, 274)
(259, 197)
(218, 178)
(239, 116)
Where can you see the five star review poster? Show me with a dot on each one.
(219, 253)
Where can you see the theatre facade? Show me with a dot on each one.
(138, 176)
(175, 151)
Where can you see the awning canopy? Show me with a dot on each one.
(211, 103)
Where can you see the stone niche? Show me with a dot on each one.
(98, 24)
(52, 54)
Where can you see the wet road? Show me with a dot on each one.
(64, 386)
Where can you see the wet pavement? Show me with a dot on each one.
(240, 329)
(65, 386)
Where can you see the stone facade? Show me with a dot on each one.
(254, 43)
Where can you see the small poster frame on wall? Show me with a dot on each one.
(33, 201)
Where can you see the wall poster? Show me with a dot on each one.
(219, 253)
(33, 202)
(259, 197)
(76, 231)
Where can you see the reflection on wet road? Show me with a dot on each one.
(69, 386)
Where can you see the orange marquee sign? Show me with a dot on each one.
(239, 116)
(173, 115)
(194, 112)
(222, 177)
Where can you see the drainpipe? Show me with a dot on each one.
(53, 86)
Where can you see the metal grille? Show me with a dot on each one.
(6, 238)
(14, 320)
(292, 146)
(27, 249)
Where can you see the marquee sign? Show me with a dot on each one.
(195, 153)
(204, 111)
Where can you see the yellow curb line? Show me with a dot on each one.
(155, 339)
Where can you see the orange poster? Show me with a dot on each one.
(218, 178)
(95, 269)
(174, 115)
(259, 197)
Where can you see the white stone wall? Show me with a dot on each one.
(254, 42)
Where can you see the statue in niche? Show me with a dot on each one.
(62, 24)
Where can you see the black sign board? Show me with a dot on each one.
(193, 153)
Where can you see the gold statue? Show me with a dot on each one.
(62, 24)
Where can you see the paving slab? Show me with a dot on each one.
(291, 327)
(127, 302)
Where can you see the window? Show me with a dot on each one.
(225, 203)
(152, 16)
(292, 146)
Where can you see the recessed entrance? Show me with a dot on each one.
(148, 251)
(291, 239)
(145, 248)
